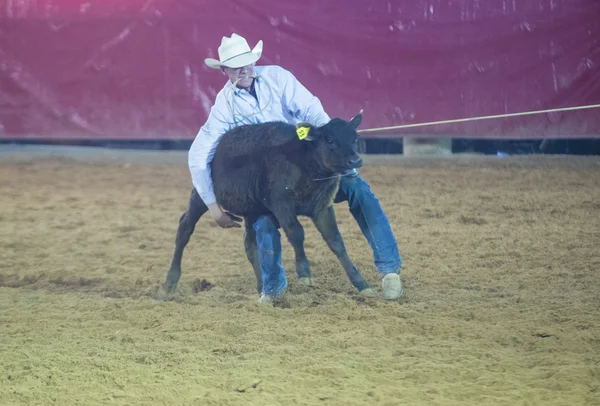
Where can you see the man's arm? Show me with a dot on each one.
(300, 101)
(202, 152)
(200, 156)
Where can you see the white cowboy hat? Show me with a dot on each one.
(234, 52)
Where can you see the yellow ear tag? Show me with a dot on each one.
(302, 132)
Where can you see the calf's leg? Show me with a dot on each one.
(187, 223)
(295, 233)
(326, 224)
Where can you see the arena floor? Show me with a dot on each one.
(501, 305)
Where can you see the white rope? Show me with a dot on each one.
(234, 111)
(459, 120)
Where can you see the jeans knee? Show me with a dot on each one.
(265, 224)
(358, 190)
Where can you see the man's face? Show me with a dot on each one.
(245, 72)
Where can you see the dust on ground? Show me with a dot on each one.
(501, 299)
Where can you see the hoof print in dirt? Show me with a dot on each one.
(201, 285)
(247, 386)
(366, 300)
(282, 304)
(473, 220)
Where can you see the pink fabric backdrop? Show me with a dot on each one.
(117, 69)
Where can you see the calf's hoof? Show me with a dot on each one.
(368, 292)
(164, 293)
(306, 281)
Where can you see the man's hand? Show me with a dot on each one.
(224, 219)
(228, 220)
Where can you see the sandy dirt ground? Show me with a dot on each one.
(501, 304)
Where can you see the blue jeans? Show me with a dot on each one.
(268, 239)
(367, 212)
(373, 223)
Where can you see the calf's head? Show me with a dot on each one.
(336, 144)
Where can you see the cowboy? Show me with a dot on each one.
(255, 94)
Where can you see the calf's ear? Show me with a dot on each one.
(306, 132)
(356, 120)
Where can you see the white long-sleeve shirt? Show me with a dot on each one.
(281, 97)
